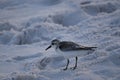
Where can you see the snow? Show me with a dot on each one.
(28, 26)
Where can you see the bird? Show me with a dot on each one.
(70, 49)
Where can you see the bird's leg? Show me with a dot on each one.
(66, 65)
(75, 63)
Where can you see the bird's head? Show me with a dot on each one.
(54, 43)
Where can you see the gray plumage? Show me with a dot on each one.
(71, 46)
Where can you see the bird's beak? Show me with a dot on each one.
(48, 47)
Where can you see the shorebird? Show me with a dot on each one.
(70, 49)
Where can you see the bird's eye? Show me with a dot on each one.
(53, 43)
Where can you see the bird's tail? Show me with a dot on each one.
(93, 48)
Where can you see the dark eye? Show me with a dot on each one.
(53, 43)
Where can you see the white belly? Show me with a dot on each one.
(70, 54)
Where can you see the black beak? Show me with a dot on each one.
(48, 47)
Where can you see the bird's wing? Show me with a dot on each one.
(68, 46)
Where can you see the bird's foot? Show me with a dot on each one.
(73, 68)
(65, 69)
